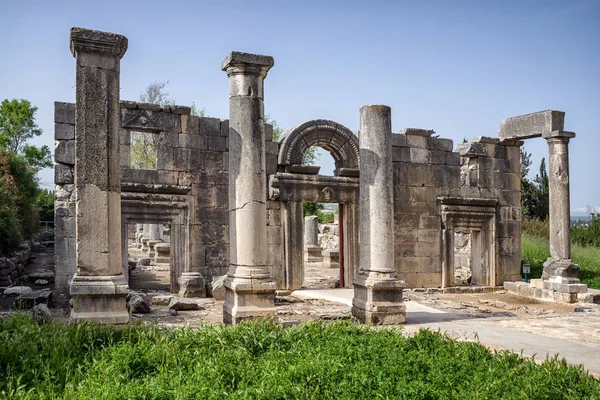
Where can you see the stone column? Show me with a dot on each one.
(560, 273)
(377, 291)
(145, 237)
(250, 289)
(99, 286)
(312, 250)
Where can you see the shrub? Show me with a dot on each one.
(587, 235)
(536, 227)
(267, 361)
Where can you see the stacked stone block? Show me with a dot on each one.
(425, 168)
(490, 169)
(64, 195)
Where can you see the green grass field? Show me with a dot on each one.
(536, 250)
(261, 360)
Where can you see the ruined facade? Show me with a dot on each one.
(233, 197)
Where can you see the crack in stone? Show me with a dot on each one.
(246, 203)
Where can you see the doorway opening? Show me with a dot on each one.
(149, 256)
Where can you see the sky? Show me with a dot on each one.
(458, 67)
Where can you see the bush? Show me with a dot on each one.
(18, 190)
(536, 250)
(587, 235)
(536, 227)
(261, 360)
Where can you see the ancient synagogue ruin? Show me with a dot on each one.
(224, 199)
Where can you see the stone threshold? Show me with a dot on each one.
(535, 290)
(458, 289)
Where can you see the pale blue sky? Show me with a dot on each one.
(458, 67)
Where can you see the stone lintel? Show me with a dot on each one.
(472, 149)
(511, 142)
(92, 41)
(532, 125)
(237, 58)
(468, 201)
(486, 139)
(559, 134)
(417, 132)
(303, 169)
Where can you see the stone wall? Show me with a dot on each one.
(13, 265)
(490, 169)
(192, 162)
(425, 168)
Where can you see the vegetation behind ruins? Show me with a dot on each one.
(21, 199)
(536, 250)
(264, 360)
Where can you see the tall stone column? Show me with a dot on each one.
(250, 289)
(377, 291)
(99, 286)
(560, 273)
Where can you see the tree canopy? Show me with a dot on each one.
(17, 126)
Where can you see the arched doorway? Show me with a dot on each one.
(295, 183)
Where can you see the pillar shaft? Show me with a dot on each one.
(377, 291)
(560, 273)
(560, 216)
(376, 190)
(98, 287)
(250, 289)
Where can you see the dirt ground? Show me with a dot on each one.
(153, 279)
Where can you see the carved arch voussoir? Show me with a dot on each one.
(336, 138)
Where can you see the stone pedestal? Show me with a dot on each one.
(145, 234)
(191, 284)
(312, 253)
(162, 253)
(560, 273)
(377, 290)
(331, 258)
(151, 244)
(98, 288)
(250, 288)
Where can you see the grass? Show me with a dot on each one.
(261, 360)
(536, 249)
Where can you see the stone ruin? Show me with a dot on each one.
(233, 198)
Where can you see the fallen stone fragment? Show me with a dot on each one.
(16, 291)
(138, 303)
(218, 288)
(161, 300)
(41, 282)
(29, 300)
(41, 313)
(186, 304)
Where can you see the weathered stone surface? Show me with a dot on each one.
(138, 303)
(192, 285)
(180, 304)
(218, 287)
(65, 131)
(64, 152)
(41, 313)
(311, 230)
(30, 299)
(41, 282)
(16, 291)
(63, 174)
(532, 125)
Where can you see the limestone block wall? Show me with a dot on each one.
(64, 201)
(425, 168)
(192, 160)
(490, 169)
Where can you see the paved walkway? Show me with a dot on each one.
(574, 337)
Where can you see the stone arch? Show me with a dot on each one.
(333, 137)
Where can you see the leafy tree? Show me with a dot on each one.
(17, 126)
(535, 195)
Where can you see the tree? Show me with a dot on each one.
(17, 126)
(535, 195)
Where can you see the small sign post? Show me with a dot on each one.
(526, 271)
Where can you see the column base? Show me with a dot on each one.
(100, 299)
(191, 284)
(248, 299)
(313, 253)
(562, 276)
(378, 299)
(145, 247)
(151, 244)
